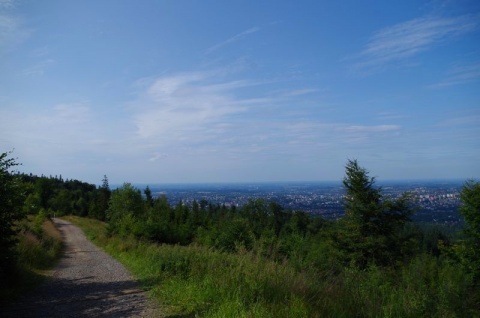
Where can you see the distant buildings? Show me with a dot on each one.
(434, 202)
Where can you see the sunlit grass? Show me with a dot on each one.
(199, 281)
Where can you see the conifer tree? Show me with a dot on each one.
(148, 196)
(102, 198)
(369, 232)
(470, 209)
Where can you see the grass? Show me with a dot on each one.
(38, 249)
(195, 281)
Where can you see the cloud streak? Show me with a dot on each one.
(460, 75)
(182, 106)
(12, 31)
(233, 39)
(38, 69)
(7, 4)
(404, 40)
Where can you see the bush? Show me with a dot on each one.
(11, 203)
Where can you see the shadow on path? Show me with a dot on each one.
(85, 283)
(77, 298)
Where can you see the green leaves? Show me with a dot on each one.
(125, 208)
(11, 202)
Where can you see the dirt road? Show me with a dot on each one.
(86, 283)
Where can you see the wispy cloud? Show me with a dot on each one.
(7, 4)
(156, 156)
(12, 31)
(302, 91)
(390, 116)
(460, 75)
(472, 120)
(404, 40)
(340, 136)
(203, 113)
(198, 114)
(231, 40)
(185, 105)
(38, 69)
(68, 127)
(370, 129)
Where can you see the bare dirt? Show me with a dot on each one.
(86, 283)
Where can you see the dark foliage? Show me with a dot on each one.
(370, 231)
(11, 202)
(61, 197)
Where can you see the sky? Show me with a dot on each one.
(186, 91)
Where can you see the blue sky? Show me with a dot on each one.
(232, 91)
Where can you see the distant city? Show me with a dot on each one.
(435, 201)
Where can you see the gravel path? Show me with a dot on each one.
(86, 283)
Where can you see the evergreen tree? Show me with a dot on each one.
(470, 209)
(369, 232)
(101, 200)
(148, 196)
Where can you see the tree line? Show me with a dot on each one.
(375, 231)
(53, 195)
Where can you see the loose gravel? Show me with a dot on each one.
(86, 283)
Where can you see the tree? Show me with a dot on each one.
(148, 196)
(369, 232)
(62, 202)
(470, 209)
(11, 203)
(126, 207)
(45, 189)
(102, 199)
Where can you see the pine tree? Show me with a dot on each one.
(148, 196)
(369, 232)
(470, 209)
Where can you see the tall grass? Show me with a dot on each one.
(198, 281)
(39, 247)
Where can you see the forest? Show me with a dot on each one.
(260, 259)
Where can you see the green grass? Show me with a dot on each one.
(190, 281)
(38, 249)
(195, 280)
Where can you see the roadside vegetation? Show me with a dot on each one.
(29, 243)
(261, 260)
(198, 280)
(38, 247)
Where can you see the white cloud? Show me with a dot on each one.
(72, 113)
(336, 136)
(390, 116)
(233, 39)
(8, 4)
(38, 69)
(12, 32)
(407, 39)
(156, 156)
(184, 106)
(472, 120)
(299, 92)
(460, 75)
(370, 129)
(64, 128)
